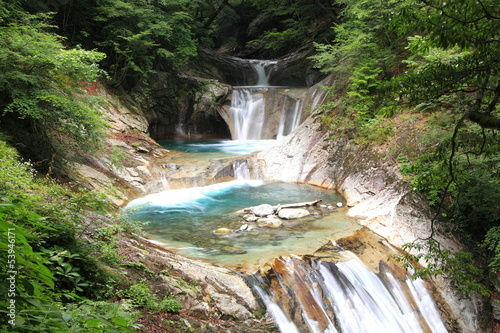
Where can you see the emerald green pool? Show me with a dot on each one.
(185, 220)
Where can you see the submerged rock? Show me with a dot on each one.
(222, 231)
(233, 249)
(269, 222)
(293, 213)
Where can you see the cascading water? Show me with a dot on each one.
(261, 67)
(287, 123)
(302, 295)
(262, 111)
(248, 108)
(318, 296)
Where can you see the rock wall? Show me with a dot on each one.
(176, 105)
(294, 70)
(369, 179)
(132, 164)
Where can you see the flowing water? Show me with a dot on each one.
(216, 147)
(262, 111)
(317, 296)
(303, 294)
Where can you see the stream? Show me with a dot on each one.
(301, 292)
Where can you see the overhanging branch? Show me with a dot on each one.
(484, 120)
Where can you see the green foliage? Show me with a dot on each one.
(182, 283)
(455, 52)
(141, 296)
(377, 130)
(117, 157)
(137, 35)
(170, 305)
(51, 270)
(297, 22)
(492, 242)
(42, 102)
(361, 56)
(92, 316)
(460, 266)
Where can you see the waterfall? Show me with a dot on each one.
(261, 68)
(241, 170)
(248, 113)
(290, 122)
(261, 111)
(318, 296)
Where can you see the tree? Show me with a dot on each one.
(362, 56)
(44, 106)
(138, 36)
(300, 22)
(455, 65)
(449, 72)
(457, 51)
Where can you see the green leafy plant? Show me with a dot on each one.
(43, 83)
(459, 266)
(39, 221)
(141, 296)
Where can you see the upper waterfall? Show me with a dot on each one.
(262, 111)
(263, 71)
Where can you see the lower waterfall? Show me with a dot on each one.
(312, 295)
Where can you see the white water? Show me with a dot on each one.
(171, 198)
(295, 120)
(255, 110)
(248, 108)
(361, 301)
(263, 70)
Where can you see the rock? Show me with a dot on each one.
(251, 218)
(339, 204)
(244, 227)
(262, 210)
(142, 150)
(269, 222)
(233, 249)
(222, 231)
(293, 213)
